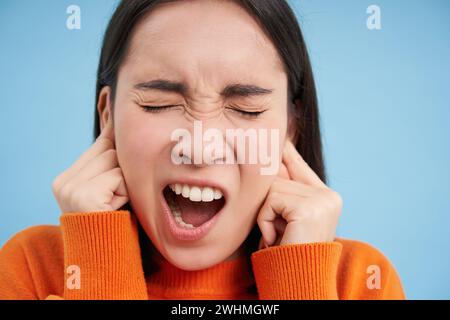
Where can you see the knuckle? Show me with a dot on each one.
(63, 198)
(111, 152)
(105, 142)
(117, 171)
(56, 184)
(337, 198)
(111, 156)
(64, 193)
(334, 199)
(260, 219)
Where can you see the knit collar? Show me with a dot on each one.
(227, 279)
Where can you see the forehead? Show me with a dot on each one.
(202, 38)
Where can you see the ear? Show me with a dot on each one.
(104, 107)
(293, 126)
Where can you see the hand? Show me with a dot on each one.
(95, 181)
(299, 207)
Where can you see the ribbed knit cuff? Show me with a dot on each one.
(105, 248)
(297, 271)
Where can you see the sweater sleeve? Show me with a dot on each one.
(16, 280)
(297, 271)
(342, 269)
(102, 250)
(366, 273)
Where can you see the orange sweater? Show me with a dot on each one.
(105, 246)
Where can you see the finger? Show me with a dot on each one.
(262, 244)
(118, 201)
(297, 167)
(300, 189)
(277, 205)
(111, 182)
(283, 172)
(104, 162)
(102, 144)
(108, 131)
(121, 189)
(280, 227)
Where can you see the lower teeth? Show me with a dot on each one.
(176, 212)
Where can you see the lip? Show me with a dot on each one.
(199, 232)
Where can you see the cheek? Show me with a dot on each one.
(254, 185)
(137, 142)
(142, 143)
(253, 190)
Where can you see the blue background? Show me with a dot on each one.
(384, 99)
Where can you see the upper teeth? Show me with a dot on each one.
(194, 193)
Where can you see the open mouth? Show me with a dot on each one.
(192, 206)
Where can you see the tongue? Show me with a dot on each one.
(197, 213)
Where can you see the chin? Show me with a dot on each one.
(192, 259)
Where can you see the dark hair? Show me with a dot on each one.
(278, 20)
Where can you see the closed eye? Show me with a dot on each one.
(248, 114)
(155, 109)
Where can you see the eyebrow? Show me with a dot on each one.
(232, 90)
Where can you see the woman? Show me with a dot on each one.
(146, 215)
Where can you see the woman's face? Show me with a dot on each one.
(206, 46)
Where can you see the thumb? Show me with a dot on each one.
(262, 244)
(283, 172)
(118, 202)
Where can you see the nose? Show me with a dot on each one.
(202, 146)
(206, 158)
